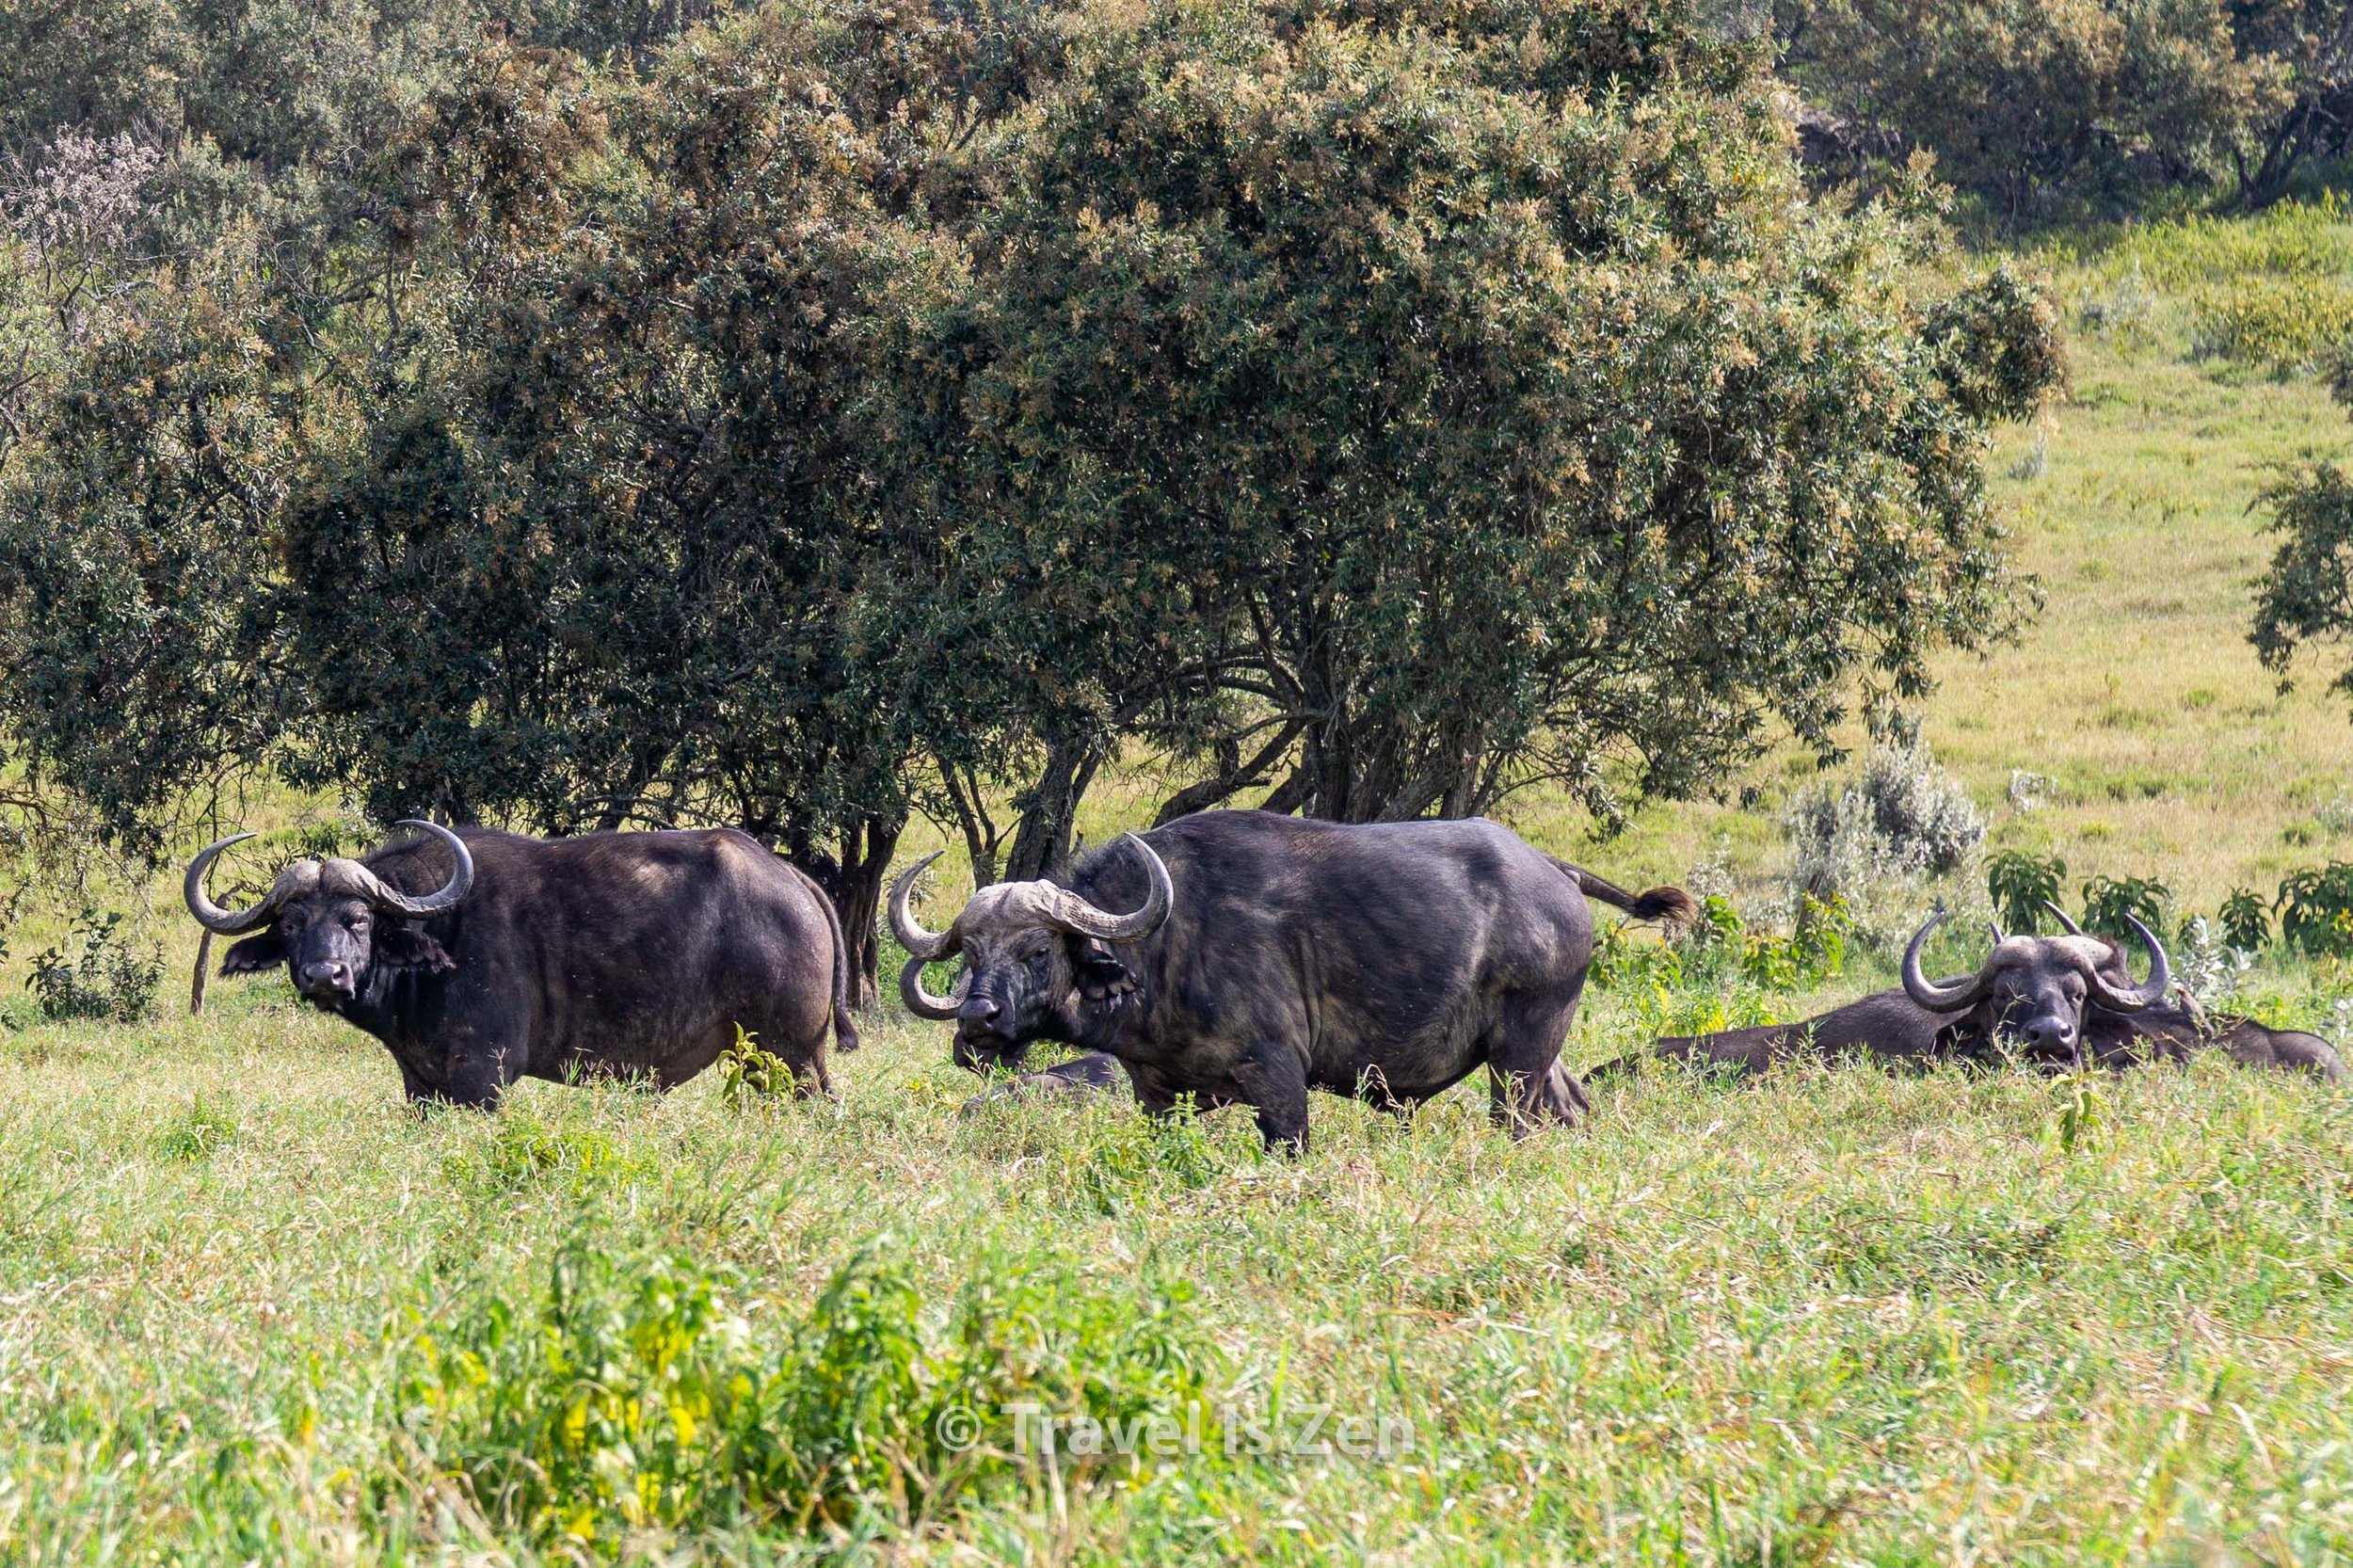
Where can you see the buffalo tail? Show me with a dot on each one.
(1671, 908)
(844, 1032)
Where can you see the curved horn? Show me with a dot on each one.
(922, 1002)
(1075, 914)
(460, 880)
(923, 944)
(2072, 929)
(211, 916)
(1993, 929)
(1935, 998)
(2150, 992)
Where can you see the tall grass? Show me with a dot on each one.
(251, 1309)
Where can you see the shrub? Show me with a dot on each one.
(96, 973)
(2108, 900)
(2207, 963)
(2281, 323)
(1901, 817)
(2035, 105)
(749, 1075)
(2315, 908)
(649, 1393)
(2245, 920)
(521, 1151)
(1143, 1157)
(2020, 884)
(206, 1125)
(1814, 952)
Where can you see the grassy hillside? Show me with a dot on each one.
(249, 1310)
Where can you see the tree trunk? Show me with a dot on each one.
(853, 879)
(982, 839)
(1233, 776)
(203, 970)
(1050, 812)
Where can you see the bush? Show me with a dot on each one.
(2108, 900)
(2207, 963)
(2245, 921)
(650, 1393)
(2284, 324)
(1814, 952)
(2315, 908)
(521, 1152)
(749, 1075)
(1902, 817)
(96, 973)
(2034, 106)
(2019, 885)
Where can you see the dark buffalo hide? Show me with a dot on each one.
(2036, 1002)
(628, 954)
(1264, 955)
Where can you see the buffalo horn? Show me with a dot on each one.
(2150, 992)
(2070, 927)
(922, 1002)
(211, 916)
(1935, 998)
(1076, 915)
(385, 895)
(926, 946)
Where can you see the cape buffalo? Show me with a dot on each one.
(481, 957)
(1264, 955)
(2061, 1002)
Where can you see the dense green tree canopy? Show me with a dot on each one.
(832, 413)
(1386, 416)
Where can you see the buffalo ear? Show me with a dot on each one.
(254, 955)
(1100, 976)
(399, 947)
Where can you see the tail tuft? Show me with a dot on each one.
(1672, 907)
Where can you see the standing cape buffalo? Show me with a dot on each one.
(479, 958)
(1267, 955)
(2061, 1002)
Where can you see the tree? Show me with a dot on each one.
(2038, 107)
(2307, 45)
(611, 561)
(2307, 595)
(1391, 419)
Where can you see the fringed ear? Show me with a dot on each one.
(254, 955)
(1968, 1036)
(400, 947)
(1099, 975)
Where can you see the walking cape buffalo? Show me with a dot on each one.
(1263, 955)
(479, 957)
(2059, 1002)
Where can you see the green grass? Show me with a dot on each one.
(1837, 1318)
(252, 1310)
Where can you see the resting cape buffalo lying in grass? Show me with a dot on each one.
(1265, 956)
(2061, 1002)
(479, 958)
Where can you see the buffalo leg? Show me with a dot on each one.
(811, 1082)
(480, 1069)
(1527, 1085)
(1274, 1082)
